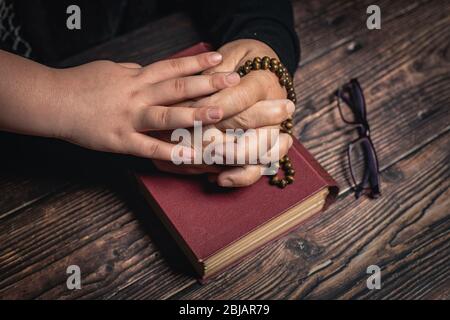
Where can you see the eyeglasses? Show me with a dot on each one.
(361, 154)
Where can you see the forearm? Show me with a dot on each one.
(268, 21)
(28, 98)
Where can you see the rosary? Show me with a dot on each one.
(276, 67)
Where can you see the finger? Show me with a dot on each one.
(185, 103)
(180, 67)
(167, 118)
(249, 174)
(179, 89)
(276, 152)
(262, 114)
(130, 65)
(141, 145)
(240, 177)
(253, 88)
(263, 147)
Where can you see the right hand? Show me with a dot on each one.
(263, 115)
(109, 106)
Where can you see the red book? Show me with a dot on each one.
(216, 227)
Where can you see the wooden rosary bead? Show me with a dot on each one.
(256, 65)
(288, 125)
(287, 165)
(279, 72)
(282, 183)
(274, 67)
(291, 95)
(274, 180)
(285, 80)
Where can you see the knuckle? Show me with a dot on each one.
(214, 81)
(152, 149)
(163, 117)
(128, 114)
(105, 63)
(244, 121)
(120, 134)
(279, 112)
(119, 140)
(177, 65)
(217, 81)
(202, 60)
(179, 86)
(243, 98)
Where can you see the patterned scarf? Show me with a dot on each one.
(10, 38)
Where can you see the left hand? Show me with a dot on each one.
(241, 100)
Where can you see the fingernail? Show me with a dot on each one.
(215, 113)
(232, 78)
(290, 107)
(226, 183)
(215, 57)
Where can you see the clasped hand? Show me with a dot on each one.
(127, 108)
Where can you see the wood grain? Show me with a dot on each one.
(405, 77)
(88, 226)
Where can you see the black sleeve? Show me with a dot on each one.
(270, 21)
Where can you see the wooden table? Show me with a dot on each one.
(61, 205)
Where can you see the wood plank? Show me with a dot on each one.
(324, 25)
(405, 77)
(406, 233)
(106, 235)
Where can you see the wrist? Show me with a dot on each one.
(27, 96)
(61, 91)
